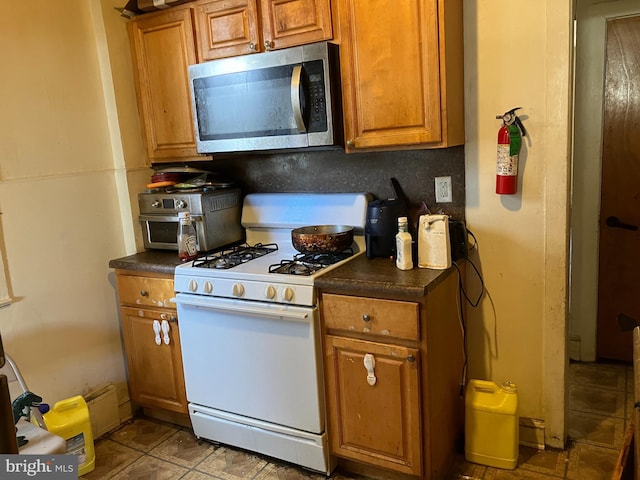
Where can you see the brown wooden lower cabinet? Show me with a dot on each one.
(151, 337)
(393, 369)
(155, 371)
(375, 414)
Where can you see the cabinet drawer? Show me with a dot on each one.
(145, 291)
(387, 318)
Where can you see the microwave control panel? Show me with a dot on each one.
(317, 96)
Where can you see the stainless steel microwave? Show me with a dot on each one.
(275, 100)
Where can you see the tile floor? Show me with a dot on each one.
(600, 405)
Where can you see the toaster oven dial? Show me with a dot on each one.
(193, 285)
(238, 290)
(156, 204)
(208, 287)
(270, 292)
(181, 204)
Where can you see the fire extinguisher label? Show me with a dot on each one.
(507, 164)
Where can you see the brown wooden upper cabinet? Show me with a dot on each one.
(162, 46)
(226, 28)
(402, 73)
(401, 65)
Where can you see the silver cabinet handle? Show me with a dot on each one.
(144, 293)
(411, 358)
(252, 47)
(366, 317)
(268, 44)
(296, 77)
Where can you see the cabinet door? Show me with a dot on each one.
(226, 28)
(379, 423)
(390, 73)
(162, 48)
(286, 23)
(156, 378)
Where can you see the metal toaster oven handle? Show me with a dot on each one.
(166, 218)
(296, 77)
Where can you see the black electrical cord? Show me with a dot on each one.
(462, 293)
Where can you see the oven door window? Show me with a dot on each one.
(257, 103)
(163, 232)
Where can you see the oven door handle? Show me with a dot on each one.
(289, 312)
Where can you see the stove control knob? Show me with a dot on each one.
(208, 287)
(156, 204)
(181, 204)
(238, 290)
(193, 285)
(288, 294)
(270, 292)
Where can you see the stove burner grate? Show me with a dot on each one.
(231, 257)
(309, 263)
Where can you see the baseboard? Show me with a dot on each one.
(532, 433)
(103, 410)
(573, 347)
(125, 411)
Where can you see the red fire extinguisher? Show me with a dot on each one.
(509, 143)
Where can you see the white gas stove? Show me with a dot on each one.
(268, 268)
(250, 333)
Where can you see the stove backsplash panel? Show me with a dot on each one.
(335, 171)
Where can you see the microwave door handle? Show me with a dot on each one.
(296, 78)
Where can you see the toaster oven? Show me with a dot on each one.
(215, 216)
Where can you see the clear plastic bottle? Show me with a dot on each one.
(187, 249)
(404, 259)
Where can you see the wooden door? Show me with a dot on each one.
(376, 424)
(390, 73)
(286, 23)
(162, 48)
(619, 253)
(226, 28)
(156, 378)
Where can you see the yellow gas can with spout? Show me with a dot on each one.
(491, 424)
(70, 419)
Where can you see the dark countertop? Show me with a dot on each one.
(156, 261)
(375, 276)
(380, 276)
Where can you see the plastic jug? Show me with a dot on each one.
(491, 424)
(70, 419)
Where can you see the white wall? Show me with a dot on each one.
(61, 220)
(518, 54)
(70, 148)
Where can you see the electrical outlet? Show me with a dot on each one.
(443, 190)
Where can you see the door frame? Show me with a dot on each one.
(591, 18)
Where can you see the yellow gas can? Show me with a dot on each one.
(70, 419)
(491, 424)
